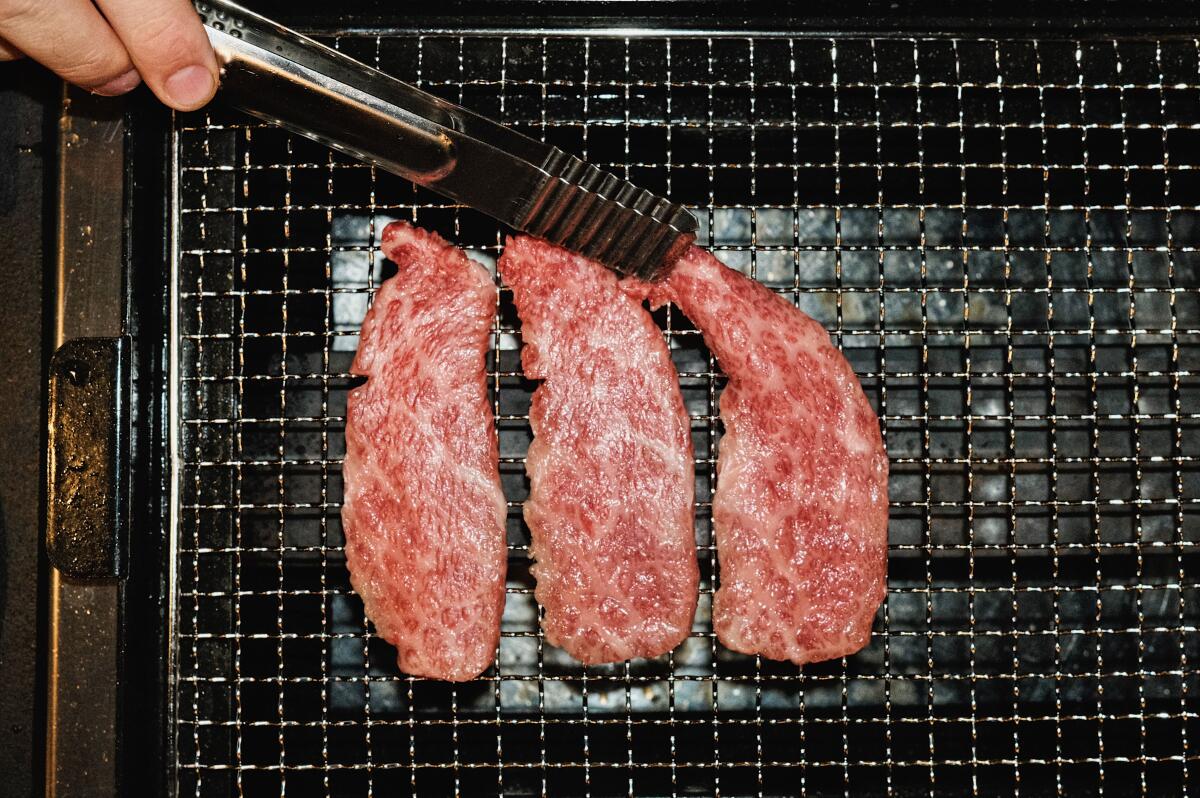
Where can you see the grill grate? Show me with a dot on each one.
(1004, 238)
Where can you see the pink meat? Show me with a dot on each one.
(610, 469)
(423, 511)
(800, 510)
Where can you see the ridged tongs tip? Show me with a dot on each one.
(606, 219)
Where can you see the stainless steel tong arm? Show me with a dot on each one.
(304, 86)
(291, 80)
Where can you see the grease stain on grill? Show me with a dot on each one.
(1002, 235)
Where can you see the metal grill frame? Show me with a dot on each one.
(978, 522)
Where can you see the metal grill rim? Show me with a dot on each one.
(1088, 541)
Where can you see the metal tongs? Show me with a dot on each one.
(283, 77)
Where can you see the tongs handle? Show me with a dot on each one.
(286, 78)
(298, 84)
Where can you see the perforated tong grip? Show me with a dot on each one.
(291, 80)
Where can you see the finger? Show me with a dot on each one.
(8, 52)
(71, 38)
(168, 46)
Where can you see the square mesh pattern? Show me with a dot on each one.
(1003, 238)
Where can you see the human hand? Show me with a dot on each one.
(110, 46)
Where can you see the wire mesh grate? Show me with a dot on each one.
(1004, 238)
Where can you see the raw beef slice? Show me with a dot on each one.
(610, 467)
(800, 510)
(424, 512)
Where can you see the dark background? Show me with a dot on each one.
(26, 97)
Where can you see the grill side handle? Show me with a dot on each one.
(88, 486)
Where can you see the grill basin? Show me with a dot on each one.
(1003, 237)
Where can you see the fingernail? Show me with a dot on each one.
(119, 85)
(190, 87)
